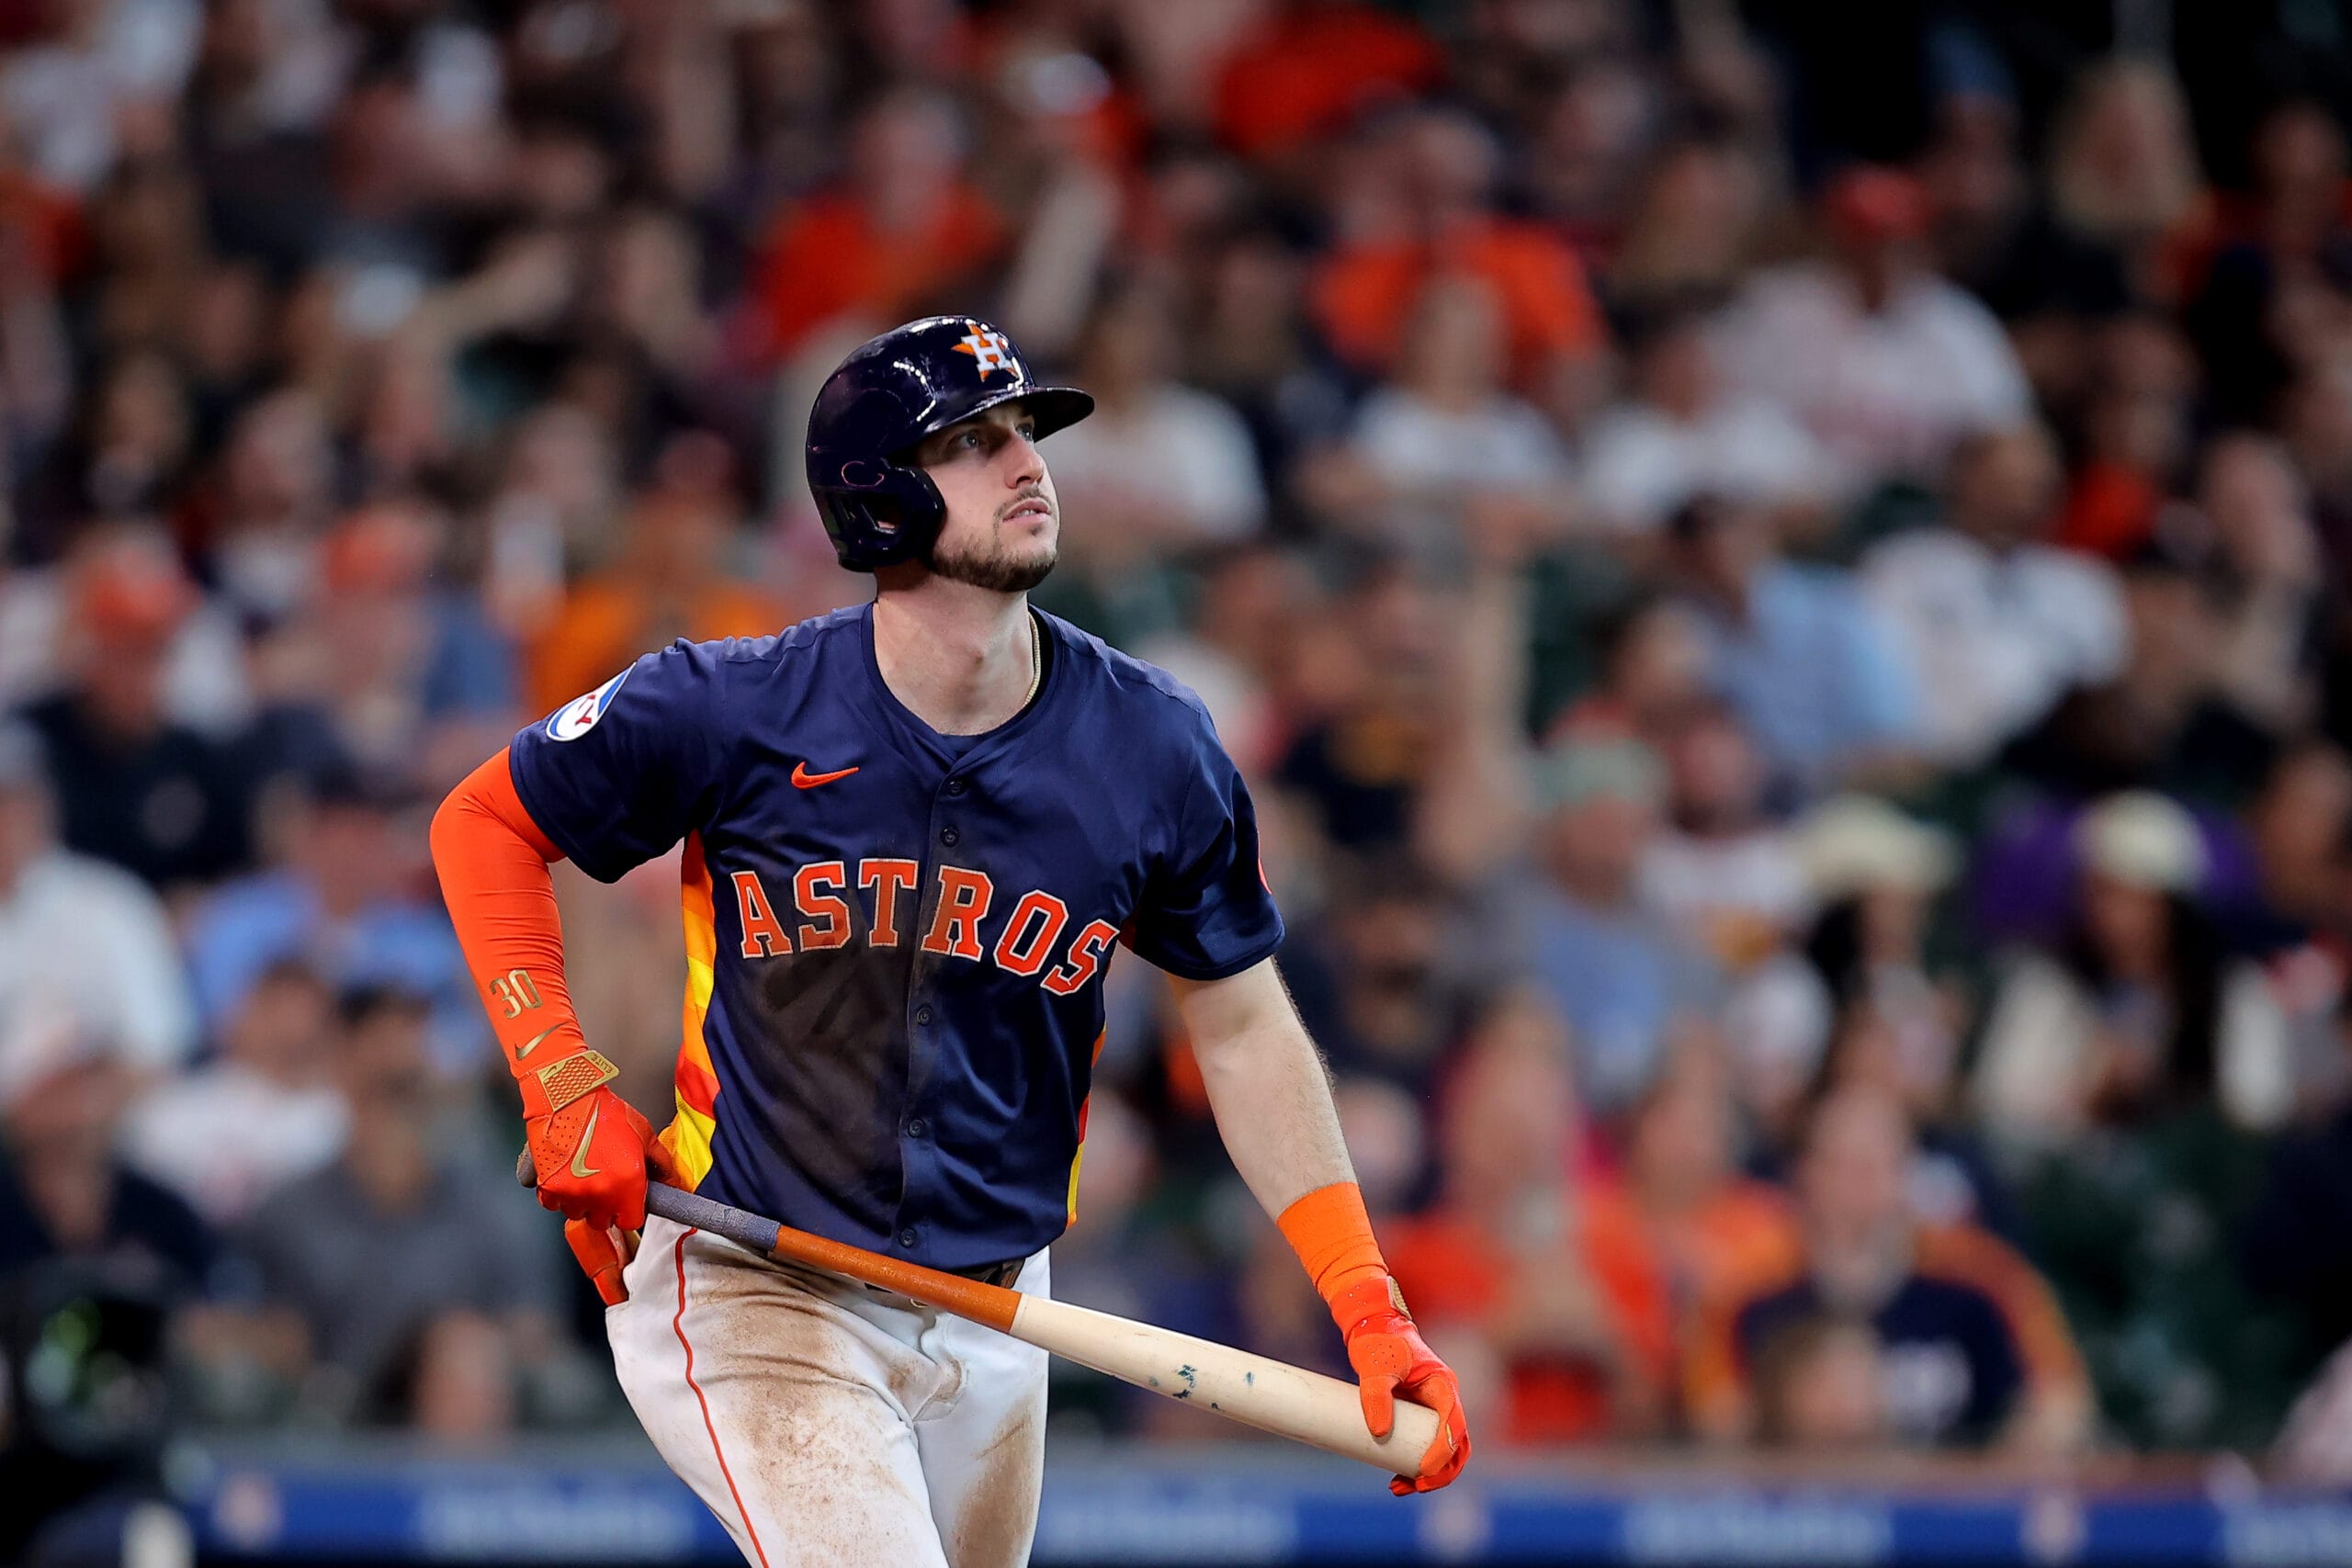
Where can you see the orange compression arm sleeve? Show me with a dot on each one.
(1332, 1233)
(493, 861)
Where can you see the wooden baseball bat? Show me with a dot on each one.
(1256, 1390)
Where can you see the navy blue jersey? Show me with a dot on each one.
(896, 941)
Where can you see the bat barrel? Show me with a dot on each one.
(1274, 1396)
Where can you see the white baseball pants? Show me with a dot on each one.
(827, 1425)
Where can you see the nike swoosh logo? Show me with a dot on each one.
(535, 1041)
(803, 779)
(580, 1155)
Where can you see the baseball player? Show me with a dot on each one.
(915, 833)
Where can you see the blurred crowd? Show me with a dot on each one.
(1790, 626)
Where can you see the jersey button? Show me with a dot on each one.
(917, 1127)
(955, 787)
(948, 836)
(907, 1237)
(923, 1013)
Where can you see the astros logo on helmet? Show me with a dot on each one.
(988, 345)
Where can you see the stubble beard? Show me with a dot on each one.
(995, 567)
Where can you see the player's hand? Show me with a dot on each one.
(588, 1145)
(603, 1255)
(1390, 1357)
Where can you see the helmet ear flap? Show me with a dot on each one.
(889, 513)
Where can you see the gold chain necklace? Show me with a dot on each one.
(1036, 663)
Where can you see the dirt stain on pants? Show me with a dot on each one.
(824, 1424)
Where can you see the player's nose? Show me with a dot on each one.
(1024, 464)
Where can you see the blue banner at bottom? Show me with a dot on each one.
(1149, 1505)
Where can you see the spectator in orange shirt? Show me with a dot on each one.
(1313, 66)
(1680, 1199)
(1555, 1301)
(899, 231)
(1971, 1343)
(1440, 220)
(669, 581)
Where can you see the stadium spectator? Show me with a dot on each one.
(134, 785)
(2133, 395)
(1681, 435)
(64, 1193)
(1422, 210)
(1360, 753)
(673, 577)
(1511, 1256)
(196, 1133)
(1617, 972)
(2292, 1245)
(1999, 623)
(1727, 879)
(1994, 233)
(1373, 975)
(1311, 66)
(84, 946)
(1821, 1385)
(1871, 875)
(2263, 574)
(2141, 1011)
(397, 1256)
(1653, 661)
(1973, 1347)
(1679, 1202)
(1816, 674)
(2124, 175)
(1444, 435)
(2165, 722)
(346, 899)
(896, 235)
(1692, 226)
(1249, 345)
(1887, 364)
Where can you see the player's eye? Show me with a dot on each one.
(1028, 429)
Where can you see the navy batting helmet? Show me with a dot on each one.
(891, 392)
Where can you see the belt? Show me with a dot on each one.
(1003, 1274)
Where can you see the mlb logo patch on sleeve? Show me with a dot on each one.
(578, 716)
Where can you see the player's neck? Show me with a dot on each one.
(958, 658)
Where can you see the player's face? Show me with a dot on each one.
(1003, 525)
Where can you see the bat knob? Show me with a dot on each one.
(526, 1173)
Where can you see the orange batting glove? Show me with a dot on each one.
(1390, 1357)
(602, 1256)
(588, 1145)
(1332, 1236)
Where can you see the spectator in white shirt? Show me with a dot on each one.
(1160, 463)
(1444, 434)
(86, 949)
(2000, 625)
(1683, 434)
(2142, 1010)
(1723, 875)
(228, 1134)
(1885, 363)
